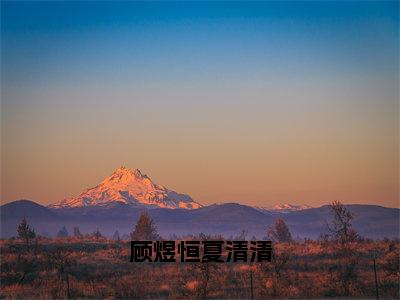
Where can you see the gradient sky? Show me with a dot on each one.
(258, 103)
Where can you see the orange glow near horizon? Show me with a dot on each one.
(259, 155)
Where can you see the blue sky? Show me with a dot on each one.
(109, 41)
(275, 89)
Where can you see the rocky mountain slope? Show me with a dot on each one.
(129, 187)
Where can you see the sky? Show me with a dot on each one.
(258, 103)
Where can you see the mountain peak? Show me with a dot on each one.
(283, 208)
(123, 173)
(123, 169)
(129, 187)
(290, 207)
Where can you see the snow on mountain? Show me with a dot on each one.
(129, 187)
(290, 207)
(283, 208)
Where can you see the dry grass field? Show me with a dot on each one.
(100, 268)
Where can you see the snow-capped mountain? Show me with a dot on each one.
(129, 187)
(283, 208)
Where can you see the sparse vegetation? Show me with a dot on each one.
(145, 229)
(25, 232)
(116, 236)
(77, 232)
(62, 233)
(92, 266)
(341, 228)
(280, 232)
(86, 268)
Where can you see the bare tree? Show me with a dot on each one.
(25, 232)
(145, 229)
(116, 236)
(77, 232)
(340, 229)
(63, 232)
(343, 235)
(280, 232)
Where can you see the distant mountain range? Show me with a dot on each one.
(227, 219)
(283, 208)
(116, 203)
